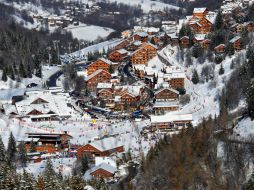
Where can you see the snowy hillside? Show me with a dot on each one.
(146, 5)
(204, 96)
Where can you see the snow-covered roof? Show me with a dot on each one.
(133, 89)
(173, 36)
(10, 109)
(184, 37)
(211, 16)
(199, 10)
(106, 144)
(200, 37)
(107, 160)
(153, 29)
(122, 51)
(53, 104)
(171, 117)
(223, 45)
(104, 85)
(170, 89)
(235, 39)
(94, 74)
(143, 46)
(137, 43)
(174, 75)
(104, 166)
(166, 104)
(141, 34)
(106, 61)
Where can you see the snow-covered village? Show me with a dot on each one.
(101, 95)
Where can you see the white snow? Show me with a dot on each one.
(64, 165)
(245, 128)
(147, 5)
(89, 32)
(106, 45)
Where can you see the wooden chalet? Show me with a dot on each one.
(48, 142)
(163, 107)
(166, 94)
(200, 12)
(129, 97)
(220, 48)
(144, 54)
(205, 43)
(174, 40)
(170, 121)
(185, 41)
(105, 94)
(99, 76)
(177, 80)
(102, 63)
(140, 36)
(118, 55)
(104, 147)
(103, 170)
(249, 26)
(134, 46)
(123, 44)
(201, 22)
(236, 41)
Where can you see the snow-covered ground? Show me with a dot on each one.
(106, 45)
(48, 71)
(89, 32)
(204, 96)
(14, 84)
(64, 165)
(146, 5)
(245, 128)
(82, 130)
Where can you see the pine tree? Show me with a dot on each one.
(250, 65)
(152, 41)
(50, 177)
(76, 182)
(221, 71)
(84, 164)
(250, 101)
(111, 69)
(4, 75)
(22, 154)
(250, 183)
(249, 52)
(182, 31)
(218, 21)
(32, 146)
(29, 71)
(11, 149)
(3, 154)
(28, 180)
(40, 183)
(49, 170)
(15, 69)
(195, 77)
(38, 72)
(22, 71)
(197, 51)
(12, 76)
(231, 49)
(223, 117)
